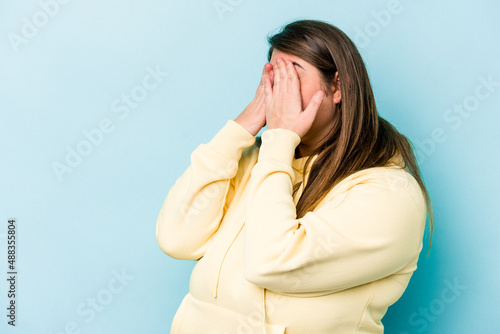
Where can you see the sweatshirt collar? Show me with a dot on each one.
(299, 163)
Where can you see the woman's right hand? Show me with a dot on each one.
(253, 118)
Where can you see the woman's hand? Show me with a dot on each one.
(253, 118)
(284, 101)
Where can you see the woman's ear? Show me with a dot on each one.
(337, 96)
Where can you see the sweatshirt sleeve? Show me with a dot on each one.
(197, 201)
(371, 231)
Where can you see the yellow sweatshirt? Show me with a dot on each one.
(261, 270)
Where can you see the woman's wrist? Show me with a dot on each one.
(248, 126)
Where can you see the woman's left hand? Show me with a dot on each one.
(284, 101)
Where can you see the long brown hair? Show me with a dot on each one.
(359, 138)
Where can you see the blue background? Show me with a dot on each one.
(78, 231)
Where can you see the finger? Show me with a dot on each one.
(293, 79)
(270, 73)
(314, 104)
(292, 74)
(283, 73)
(268, 90)
(265, 72)
(276, 75)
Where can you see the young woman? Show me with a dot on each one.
(315, 226)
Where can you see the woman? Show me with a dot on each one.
(315, 226)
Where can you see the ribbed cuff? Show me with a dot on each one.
(230, 140)
(279, 145)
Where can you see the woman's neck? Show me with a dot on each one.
(310, 142)
(303, 150)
